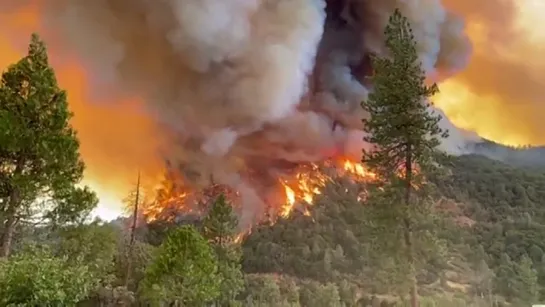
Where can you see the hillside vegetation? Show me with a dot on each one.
(490, 218)
(492, 221)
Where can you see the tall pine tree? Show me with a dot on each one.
(220, 229)
(40, 164)
(405, 134)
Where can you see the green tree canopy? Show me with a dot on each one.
(220, 229)
(405, 137)
(94, 244)
(220, 224)
(184, 271)
(400, 122)
(37, 278)
(40, 164)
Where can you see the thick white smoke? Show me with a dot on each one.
(251, 88)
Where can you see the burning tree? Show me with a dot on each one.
(176, 199)
(405, 135)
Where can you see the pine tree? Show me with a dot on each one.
(405, 134)
(526, 284)
(220, 224)
(220, 229)
(183, 273)
(505, 277)
(39, 150)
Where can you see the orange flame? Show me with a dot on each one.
(358, 170)
(306, 188)
(300, 192)
(290, 201)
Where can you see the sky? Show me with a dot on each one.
(500, 95)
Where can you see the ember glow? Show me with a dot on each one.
(134, 109)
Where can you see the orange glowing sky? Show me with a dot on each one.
(500, 95)
(112, 135)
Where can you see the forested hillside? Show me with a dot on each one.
(493, 224)
(490, 220)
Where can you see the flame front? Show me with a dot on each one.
(299, 192)
(290, 200)
(307, 185)
(357, 169)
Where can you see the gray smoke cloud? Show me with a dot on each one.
(249, 89)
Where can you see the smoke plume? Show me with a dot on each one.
(501, 93)
(240, 92)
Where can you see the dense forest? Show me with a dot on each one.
(490, 217)
(439, 231)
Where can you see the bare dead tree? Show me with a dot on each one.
(132, 233)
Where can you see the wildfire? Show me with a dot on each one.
(358, 170)
(307, 185)
(299, 190)
(290, 200)
(170, 199)
(113, 147)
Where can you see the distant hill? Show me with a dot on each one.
(523, 156)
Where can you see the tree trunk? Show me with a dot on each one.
(410, 260)
(7, 235)
(133, 230)
(9, 223)
(408, 227)
(9, 219)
